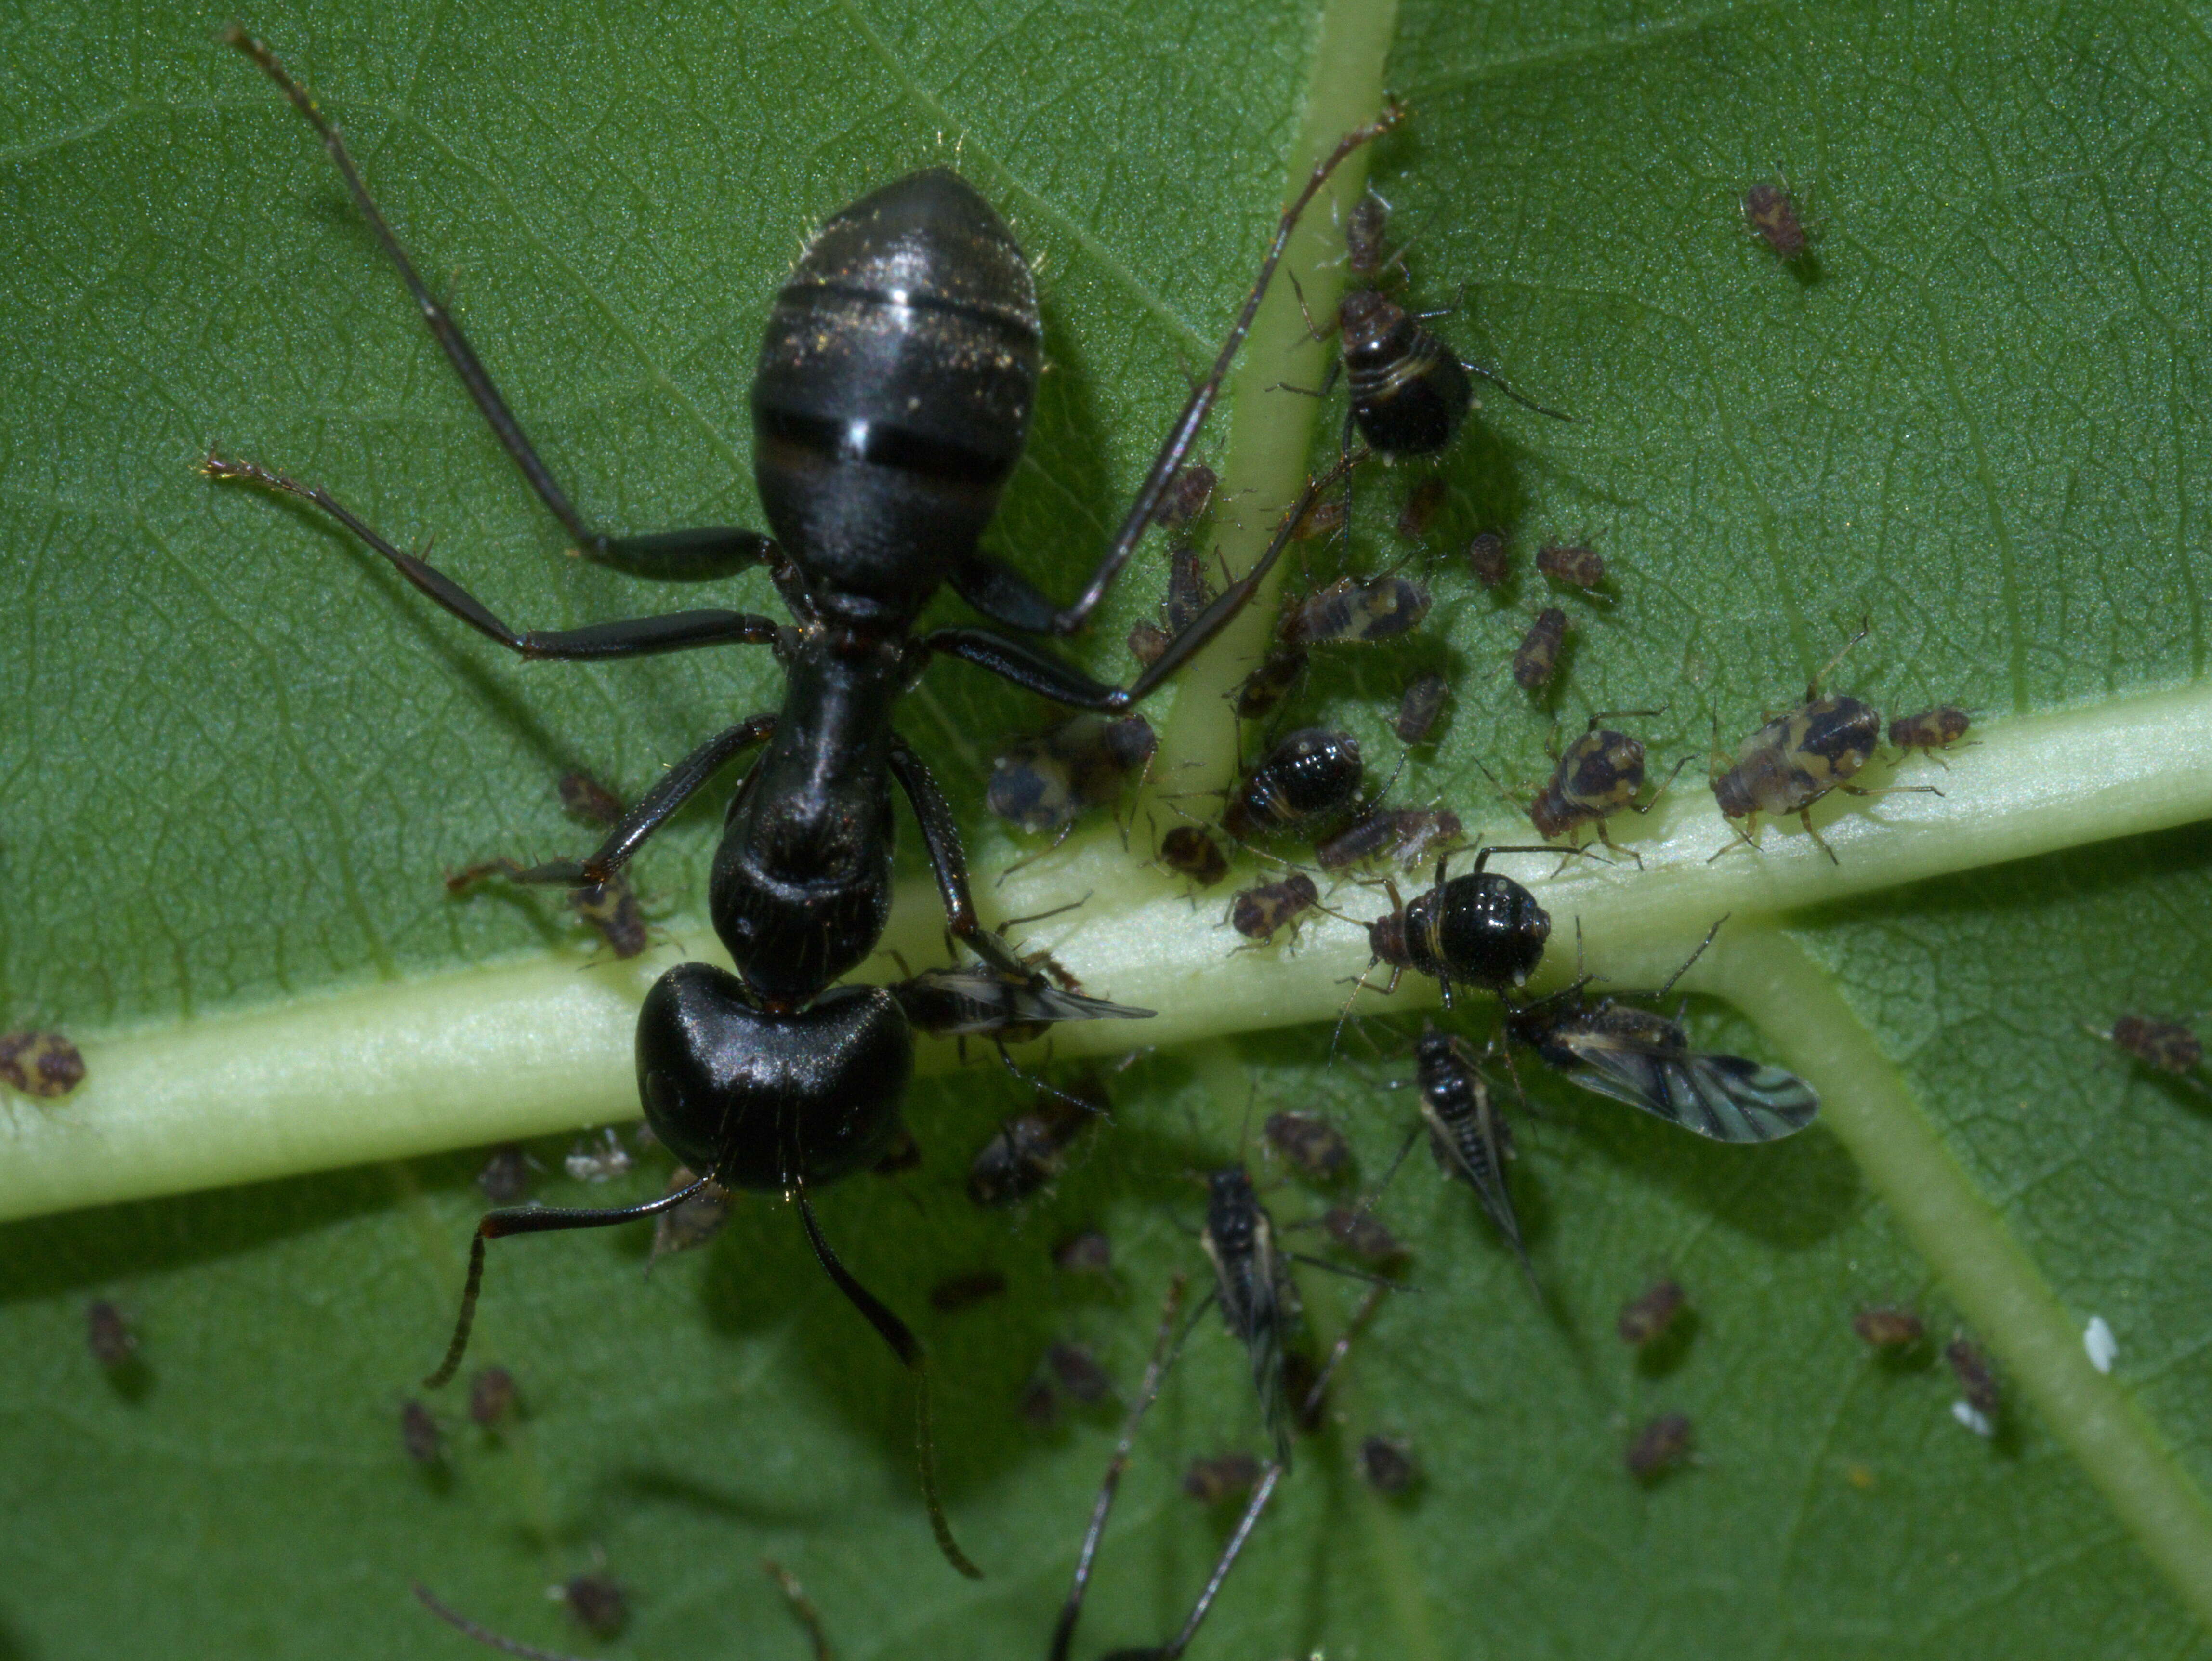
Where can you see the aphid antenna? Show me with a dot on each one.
(1360, 1316)
(1039, 916)
(801, 1606)
(1660, 996)
(1812, 687)
(484, 1634)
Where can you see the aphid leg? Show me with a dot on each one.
(1063, 1632)
(1745, 839)
(1805, 818)
(802, 1608)
(1889, 790)
(712, 551)
(1309, 1409)
(1653, 801)
(1605, 836)
(908, 1347)
(484, 1635)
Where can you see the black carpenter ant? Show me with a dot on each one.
(1311, 776)
(891, 401)
(1645, 1060)
(1467, 1132)
(1797, 758)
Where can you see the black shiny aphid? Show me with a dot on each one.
(1258, 912)
(1252, 1284)
(891, 399)
(1410, 391)
(1645, 1060)
(1311, 776)
(1479, 929)
(1467, 1134)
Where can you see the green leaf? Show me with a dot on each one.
(241, 755)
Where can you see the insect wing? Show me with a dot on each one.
(1249, 1289)
(1724, 1098)
(1476, 1159)
(956, 1002)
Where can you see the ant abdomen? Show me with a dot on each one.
(760, 1101)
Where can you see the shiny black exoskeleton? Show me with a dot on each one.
(1313, 775)
(892, 400)
(1480, 929)
(1252, 1284)
(1467, 1134)
(1409, 390)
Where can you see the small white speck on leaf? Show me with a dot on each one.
(2096, 1338)
(1965, 1413)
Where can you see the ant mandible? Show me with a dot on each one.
(891, 401)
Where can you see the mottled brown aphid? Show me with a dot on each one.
(1187, 496)
(42, 1064)
(1356, 610)
(597, 1603)
(1771, 212)
(1797, 758)
(1357, 1233)
(1977, 1380)
(1646, 1315)
(964, 1291)
(1888, 1329)
(1407, 834)
(1257, 912)
(1486, 558)
(1582, 567)
(1422, 702)
(1028, 1150)
(1188, 594)
(1420, 510)
(1363, 228)
(691, 1223)
(1538, 654)
(1078, 1373)
(1659, 1447)
(1597, 775)
(1267, 686)
(1046, 781)
(1223, 1476)
(1931, 730)
(1188, 850)
(2169, 1046)
(109, 1335)
(1325, 518)
(1147, 642)
(491, 1395)
(505, 1178)
(612, 910)
(1087, 1253)
(419, 1435)
(1309, 1142)
(1387, 1462)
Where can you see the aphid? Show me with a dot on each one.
(1407, 834)
(1648, 1315)
(1048, 782)
(1580, 568)
(1258, 912)
(970, 1001)
(1659, 1447)
(965, 1290)
(1645, 1060)
(491, 1396)
(1420, 510)
(602, 1163)
(1357, 1233)
(1797, 758)
(611, 907)
(1040, 1404)
(1309, 1142)
(109, 1335)
(2169, 1046)
(1187, 495)
(1420, 704)
(1977, 1380)
(1188, 851)
(1387, 1464)
(505, 1178)
(1767, 207)
(1538, 653)
(1324, 517)
(1311, 777)
(1212, 1479)
(1363, 228)
(1029, 1149)
(597, 1602)
(1078, 1373)
(1409, 390)
(1253, 1286)
(892, 400)
(419, 1435)
(588, 800)
(690, 1225)
(808, 1616)
(1355, 611)
(1259, 692)
(1148, 643)
(1087, 1253)
(1888, 1329)
(1480, 929)
(1931, 730)
(1597, 775)
(1466, 1133)
(42, 1064)
(1486, 558)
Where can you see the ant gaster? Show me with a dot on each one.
(891, 401)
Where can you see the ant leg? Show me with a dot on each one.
(687, 555)
(484, 1635)
(908, 1347)
(949, 860)
(1173, 1649)
(677, 632)
(535, 1219)
(654, 809)
(1063, 1631)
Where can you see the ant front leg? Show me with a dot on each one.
(949, 860)
(680, 556)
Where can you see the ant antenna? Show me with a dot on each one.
(482, 1634)
(802, 1607)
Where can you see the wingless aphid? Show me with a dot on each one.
(1355, 611)
(1931, 730)
(2172, 1047)
(1597, 775)
(1537, 656)
(1311, 777)
(1423, 701)
(1045, 784)
(1797, 758)
(1645, 1060)
(1479, 929)
(1259, 912)
(891, 401)
(1408, 835)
